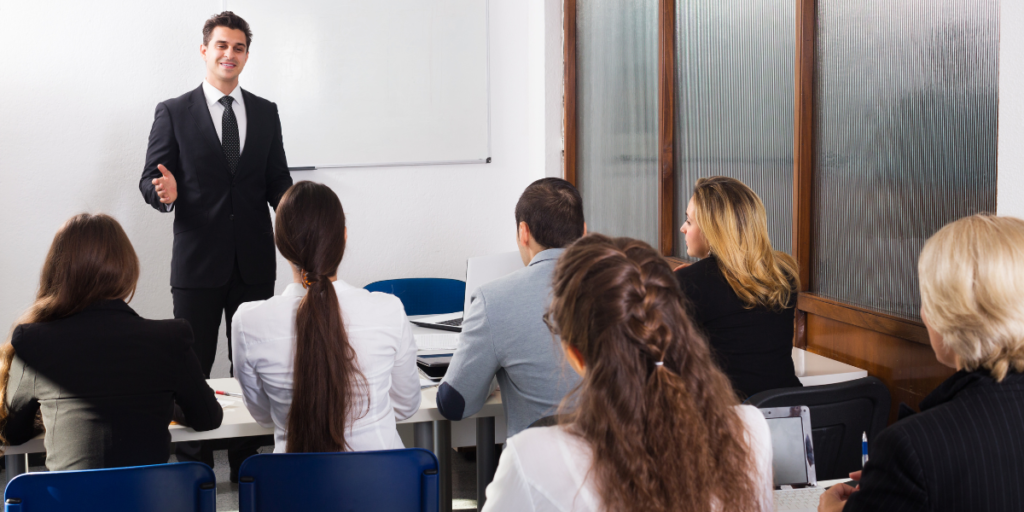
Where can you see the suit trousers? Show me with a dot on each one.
(203, 308)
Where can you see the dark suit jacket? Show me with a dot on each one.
(106, 381)
(963, 452)
(218, 216)
(753, 346)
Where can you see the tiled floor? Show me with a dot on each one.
(463, 480)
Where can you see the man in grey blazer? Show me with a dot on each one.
(503, 331)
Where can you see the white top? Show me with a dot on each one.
(213, 96)
(548, 469)
(263, 341)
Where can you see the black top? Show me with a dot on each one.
(220, 217)
(753, 346)
(106, 381)
(963, 452)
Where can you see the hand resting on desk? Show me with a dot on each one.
(834, 499)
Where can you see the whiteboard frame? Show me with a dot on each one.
(487, 160)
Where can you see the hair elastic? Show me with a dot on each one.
(660, 363)
(306, 281)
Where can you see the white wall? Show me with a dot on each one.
(77, 95)
(1010, 199)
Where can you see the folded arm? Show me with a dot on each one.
(192, 393)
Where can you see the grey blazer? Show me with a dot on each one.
(504, 336)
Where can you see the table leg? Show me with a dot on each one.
(486, 458)
(443, 451)
(423, 435)
(16, 465)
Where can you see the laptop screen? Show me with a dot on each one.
(792, 453)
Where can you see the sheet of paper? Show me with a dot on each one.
(440, 341)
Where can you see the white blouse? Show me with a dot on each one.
(548, 469)
(263, 350)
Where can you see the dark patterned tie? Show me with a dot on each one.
(229, 134)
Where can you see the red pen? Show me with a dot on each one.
(226, 393)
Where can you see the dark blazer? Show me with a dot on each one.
(106, 381)
(218, 216)
(753, 346)
(963, 452)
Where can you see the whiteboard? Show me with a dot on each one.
(368, 83)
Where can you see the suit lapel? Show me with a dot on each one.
(253, 131)
(204, 123)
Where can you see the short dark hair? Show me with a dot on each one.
(230, 20)
(553, 210)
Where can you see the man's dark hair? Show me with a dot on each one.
(230, 20)
(553, 210)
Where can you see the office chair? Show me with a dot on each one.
(840, 413)
(424, 295)
(186, 486)
(393, 480)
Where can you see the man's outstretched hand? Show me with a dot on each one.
(166, 187)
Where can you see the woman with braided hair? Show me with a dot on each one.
(654, 424)
(328, 365)
(742, 292)
(964, 450)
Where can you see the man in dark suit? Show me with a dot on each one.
(216, 159)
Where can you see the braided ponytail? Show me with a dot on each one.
(653, 406)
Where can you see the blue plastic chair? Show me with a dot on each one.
(425, 295)
(181, 487)
(392, 480)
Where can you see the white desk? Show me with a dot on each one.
(815, 370)
(431, 430)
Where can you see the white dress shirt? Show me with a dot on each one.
(213, 96)
(263, 346)
(548, 469)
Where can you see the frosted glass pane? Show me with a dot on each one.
(735, 93)
(617, 105)
(905, 139)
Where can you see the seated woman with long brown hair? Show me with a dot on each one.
(104, 378)
(742, 293)
(654, 425)
(328, 365)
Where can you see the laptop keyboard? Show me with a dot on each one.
(798, 499)
(457, 322)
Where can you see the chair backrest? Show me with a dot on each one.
(424, 295)
(394, 480)
(186, 486)
(840, 414)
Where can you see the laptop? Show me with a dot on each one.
(796, 488)
(479, 271)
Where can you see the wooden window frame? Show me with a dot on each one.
(803, 164)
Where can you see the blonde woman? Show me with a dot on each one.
(742, 293)
(963, 451)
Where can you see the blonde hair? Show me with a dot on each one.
(972, 284)
(735, 225)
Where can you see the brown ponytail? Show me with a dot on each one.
(310, 233)
(655, 409)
